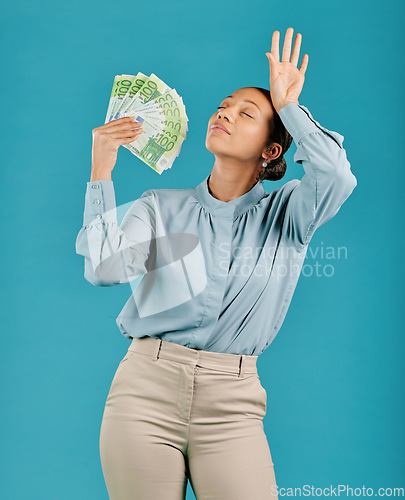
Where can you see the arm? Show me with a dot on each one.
(327, 182)
(114, 254)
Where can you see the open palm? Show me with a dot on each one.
(286, 80)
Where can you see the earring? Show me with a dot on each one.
(264, 164)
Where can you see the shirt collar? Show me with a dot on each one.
(232, 208)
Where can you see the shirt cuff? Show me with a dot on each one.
(100, 205)
(298, 121)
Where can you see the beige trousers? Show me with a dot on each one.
(175, 414)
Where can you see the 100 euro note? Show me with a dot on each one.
(160, 110)
(123, 86)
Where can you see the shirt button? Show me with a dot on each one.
(95, 186)
(98, 216)
(97, 202)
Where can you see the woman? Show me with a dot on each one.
(219, 264)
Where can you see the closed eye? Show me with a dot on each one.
(219, 107)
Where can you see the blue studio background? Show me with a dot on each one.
(334, 375)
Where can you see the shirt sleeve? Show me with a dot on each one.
(327, 182)
(114, 254)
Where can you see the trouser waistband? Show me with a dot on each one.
(226, 362)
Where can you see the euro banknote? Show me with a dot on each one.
(161, 111)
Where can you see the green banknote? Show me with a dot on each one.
(160, 109)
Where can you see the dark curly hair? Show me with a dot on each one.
(275, 170)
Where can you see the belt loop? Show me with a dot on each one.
(241, 365)
(155, 356)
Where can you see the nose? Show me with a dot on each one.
(221, 113)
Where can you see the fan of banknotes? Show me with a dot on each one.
(161, 111)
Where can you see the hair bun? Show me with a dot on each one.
(275, 170)
(277, 160)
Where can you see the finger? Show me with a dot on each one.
(124, 125)
(274, 46)
(287, 45)
(118, 122)
(129, 140)
(304, 63)
(128, 133)
(296, 50)
(272, 64)
(135, 125)
(123, 119)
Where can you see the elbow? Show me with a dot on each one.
(94, 280)
(353, 180)
(107, 275)
(92, 276)
(102, 278)
(119, 269)
(340, 168)
(350, 179)
(345, 177)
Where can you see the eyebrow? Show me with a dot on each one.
(244, 100)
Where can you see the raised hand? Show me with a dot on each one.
(286, 80)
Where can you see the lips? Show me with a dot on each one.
(218, 126)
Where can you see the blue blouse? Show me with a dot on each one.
(210, 274)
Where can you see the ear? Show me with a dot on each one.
(272, 152)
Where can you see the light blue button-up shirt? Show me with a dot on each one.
(210, 274)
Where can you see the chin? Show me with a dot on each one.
(215, 146)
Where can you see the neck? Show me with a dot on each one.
(227, 182)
